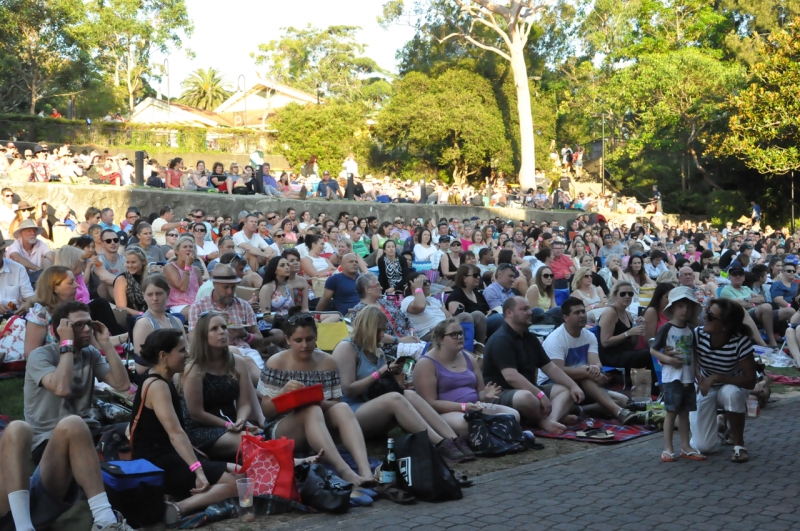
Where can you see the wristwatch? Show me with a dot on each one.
(68, 348)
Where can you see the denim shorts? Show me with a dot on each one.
(45, 508)
(679, 397)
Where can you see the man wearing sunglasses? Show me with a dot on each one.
(7, 210)
(108, 265)
(512, 359)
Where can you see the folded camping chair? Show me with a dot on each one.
(658, 369)
(330, 334)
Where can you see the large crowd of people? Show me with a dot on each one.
(43, 163)
(168, 290)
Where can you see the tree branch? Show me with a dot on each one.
(473, 41)
(702, 170)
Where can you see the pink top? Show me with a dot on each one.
(82, 293)
(176, 297)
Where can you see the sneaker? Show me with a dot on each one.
(120, 525)
(448, 450)
(463, 446)
(625, 416)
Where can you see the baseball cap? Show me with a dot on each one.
(326, 172)
(736, 270)
(445, 239)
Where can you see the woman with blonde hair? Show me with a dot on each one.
(183, 276)
(56, 286)
(478, 242)
(216, 390)
(577, 250)
(74, 259)
(128, 293)
(593, 299)
(361, 363)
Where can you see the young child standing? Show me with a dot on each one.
(673, 348)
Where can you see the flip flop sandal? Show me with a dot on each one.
(393, 494)
(172, 515)
(667, 457)
(738, 457)
(595, 433)
(463, 480)
(367, 492)
(694, 455)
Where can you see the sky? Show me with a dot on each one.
(225, 32)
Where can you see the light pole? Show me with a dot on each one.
(243, 88)
(169, 107)
(603, 157)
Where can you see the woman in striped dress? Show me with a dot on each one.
(726, 372)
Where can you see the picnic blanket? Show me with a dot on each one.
(14, 369)
(782, 379)
(621, 433)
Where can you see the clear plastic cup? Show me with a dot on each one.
(752, 408)
(246, 511)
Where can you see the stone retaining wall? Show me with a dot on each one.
(148, 200)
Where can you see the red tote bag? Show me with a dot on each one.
(270, 464)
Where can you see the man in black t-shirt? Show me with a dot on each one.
(512, 358)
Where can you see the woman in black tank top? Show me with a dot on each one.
(157, 433)
(619, 333)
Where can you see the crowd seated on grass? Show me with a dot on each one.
(223, 313)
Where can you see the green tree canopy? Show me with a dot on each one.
(205, 89)
(330, 60)
(328, 131)
(451, 121)
(764, 129)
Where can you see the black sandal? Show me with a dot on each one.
(393, 494)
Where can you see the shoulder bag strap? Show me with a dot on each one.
(389, 317)
(145, 387)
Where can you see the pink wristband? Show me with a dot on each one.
(250, 338)
(228, 424)
(376, 375)
(187, 268)
(464, 407)
(67, 343)
(195, 466)
(418, 290)
(540, 395)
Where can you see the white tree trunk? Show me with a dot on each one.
(527, 175)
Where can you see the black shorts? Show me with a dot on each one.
(679, 397)
(506, 397)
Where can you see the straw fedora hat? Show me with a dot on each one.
(3, 242)
(28, 224)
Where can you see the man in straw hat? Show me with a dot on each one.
(242, 323)
(28, 250)
(15, 286)
(673, 349)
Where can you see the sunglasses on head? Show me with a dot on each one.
(111, 240)
(301, 319)
(206, 313)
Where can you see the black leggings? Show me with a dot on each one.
(631, 359)
(101, 310)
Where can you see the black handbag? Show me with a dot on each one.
(387, 383)
(494, 435)
(423, 472)
(322, 490)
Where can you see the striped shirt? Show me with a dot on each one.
(723, 360)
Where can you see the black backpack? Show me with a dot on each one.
(423, 472)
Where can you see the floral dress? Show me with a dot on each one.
(397, 323)
(41, 316)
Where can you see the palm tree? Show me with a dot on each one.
(205, 89)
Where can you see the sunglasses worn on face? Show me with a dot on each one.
(474, 275)
(200, 230)
(546, 275)
(710, 317)
(456, 335)
(172, 235)
(626, 294)
(80, 325)
(790, 271)
(111, 240)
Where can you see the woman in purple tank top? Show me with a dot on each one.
(449, 379)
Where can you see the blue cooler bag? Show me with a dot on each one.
(135, 489)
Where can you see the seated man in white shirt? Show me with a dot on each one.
(15, 285)
(423, 311)
(573, 348)
(253, 247)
